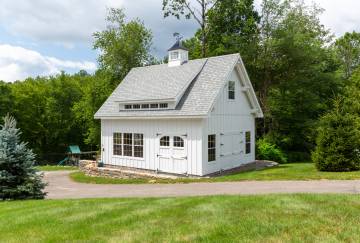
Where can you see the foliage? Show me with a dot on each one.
(123, 45)
(348, 49)
(6, 99)
(43, 108)
(296, 74)
(193, 44)
(338, 141)
(94, 93)
(232, 27)
(18, 178)
(269, 151)
(178, 8)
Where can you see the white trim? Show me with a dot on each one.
(148, 117)
(128, 157)
(241, 65)
(244, 77)
(145, 101)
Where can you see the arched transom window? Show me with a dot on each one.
(178, 142)
(165, 141)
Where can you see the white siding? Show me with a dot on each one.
(229, 120)
(151, 128)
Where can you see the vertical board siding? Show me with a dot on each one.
(150, 128)
(232, 118)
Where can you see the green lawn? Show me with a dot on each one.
(55, 168)
(272, 218)
(296, 171)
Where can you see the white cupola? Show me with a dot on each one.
(178, 55)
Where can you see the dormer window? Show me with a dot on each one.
(163, 105)
(154, 106)
(149, 106)
(174, 55)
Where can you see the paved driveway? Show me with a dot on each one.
(61, 186)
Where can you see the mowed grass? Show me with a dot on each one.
(295, 171)
(56, 168)
(272, 218)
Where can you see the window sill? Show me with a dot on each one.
(127, 157)
(179, 148)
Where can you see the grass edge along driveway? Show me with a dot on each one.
(293, 171)
(271, 218)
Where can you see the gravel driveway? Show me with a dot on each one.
(61, 186)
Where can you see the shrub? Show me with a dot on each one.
(18, 177)
(296, 156)
(269, 151)
(338, 142)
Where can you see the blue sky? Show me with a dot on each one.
(42, 37)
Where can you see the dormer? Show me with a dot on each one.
(178, 55)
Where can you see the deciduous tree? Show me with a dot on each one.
(197, 10)
(123, 45)
(348, 49)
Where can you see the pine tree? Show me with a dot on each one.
(338, 141)
(18, 177)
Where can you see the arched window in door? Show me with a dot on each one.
(165, 141)
(178, 142)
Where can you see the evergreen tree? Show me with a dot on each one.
(18, 177)
(338, 141)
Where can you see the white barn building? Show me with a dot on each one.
(192, 117)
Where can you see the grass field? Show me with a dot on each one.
(274, 218)
(296, 171)
(56, 168)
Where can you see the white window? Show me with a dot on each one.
(128, 144)
(211, 148)
(165, 141)
(174, 55)
(163, 105)
(136, 106)
(178, 142)
(128, 107)
(231, 90)
(248, 142)
(138, 145)
(117, 144)
(145, 106)
(154, 106)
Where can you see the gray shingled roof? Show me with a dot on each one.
(157, 82)
(203, 79)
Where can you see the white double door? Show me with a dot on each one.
(173, 158)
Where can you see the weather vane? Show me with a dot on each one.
(177, 36)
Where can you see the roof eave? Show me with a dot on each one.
(150, 117)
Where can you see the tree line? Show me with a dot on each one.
(298, 68)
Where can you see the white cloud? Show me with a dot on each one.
(18, 63)
(71, 23)
(339, 16)
(64, 22)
